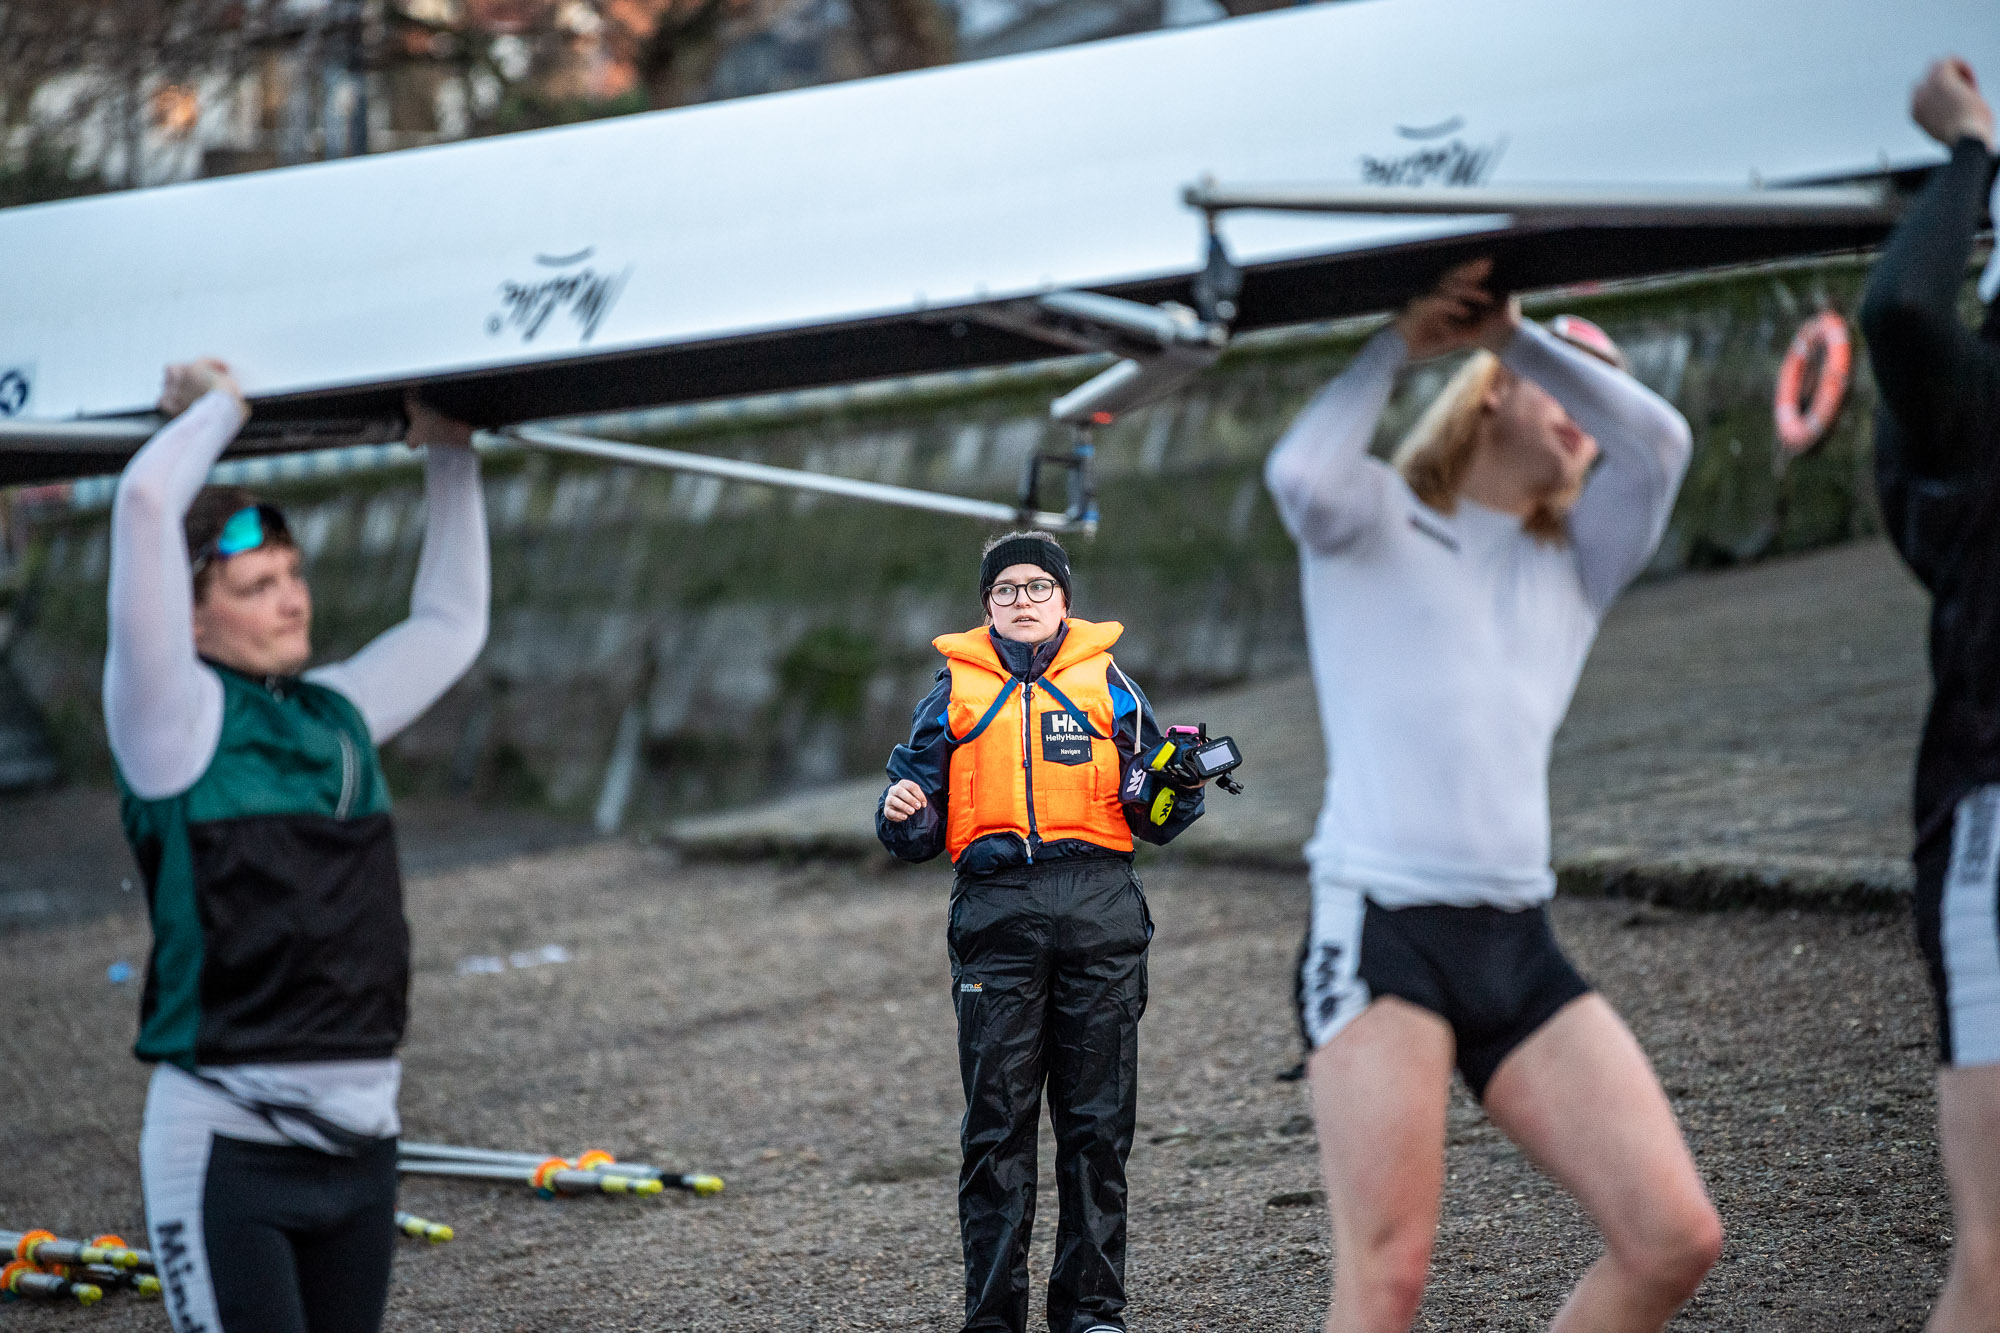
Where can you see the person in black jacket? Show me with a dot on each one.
(1031, 764)
(1937, 469)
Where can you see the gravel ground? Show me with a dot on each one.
(790, 1028)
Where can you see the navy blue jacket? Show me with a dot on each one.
(926, 760)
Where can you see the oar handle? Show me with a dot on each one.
(22, 1280)
(416, 1156)
(45, 1249)
(120, 1255)
(437, 1233)
(104, 1275)
(573, 1182)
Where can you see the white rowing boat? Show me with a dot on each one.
(942, 219)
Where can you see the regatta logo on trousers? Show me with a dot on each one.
(1064, 741)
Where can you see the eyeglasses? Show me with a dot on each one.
(1038, 590)
(245, 530)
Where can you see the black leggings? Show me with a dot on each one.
(295, 1241)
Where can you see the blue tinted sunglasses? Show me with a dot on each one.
(245, 530)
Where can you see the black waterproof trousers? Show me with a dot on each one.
(1048, 966)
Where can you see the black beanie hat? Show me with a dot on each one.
(1041, 552)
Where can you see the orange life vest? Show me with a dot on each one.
(1034, 757)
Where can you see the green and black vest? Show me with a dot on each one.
(277, 902)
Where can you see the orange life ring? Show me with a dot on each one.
(1821, 343)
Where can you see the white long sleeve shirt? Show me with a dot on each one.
(1445, 647)
(163, 708)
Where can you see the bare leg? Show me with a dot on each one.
(1969, 1125)
(1582, 1101)
(1379, 1093)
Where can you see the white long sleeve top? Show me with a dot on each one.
(163, 706)
(1445, 647)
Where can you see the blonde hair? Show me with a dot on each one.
(1437, 452)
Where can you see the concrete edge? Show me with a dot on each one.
(1775, 882)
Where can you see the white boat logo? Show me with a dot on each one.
(576, 289)
(1442, 156)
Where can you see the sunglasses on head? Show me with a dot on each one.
(245, 530)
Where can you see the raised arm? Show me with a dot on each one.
(1931, 368)
(407, 667)
(1328, 491)
(162, 707)
(1646, 445)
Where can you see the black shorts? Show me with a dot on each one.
(1494, 975)
(1958, 929)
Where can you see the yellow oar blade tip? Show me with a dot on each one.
(704, 1186)
(647, 1187)
(87, 1294)
(440, 1234)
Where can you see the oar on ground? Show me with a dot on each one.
(104, 1275)
(42, 1249)
(133, 1273)
(548, 1178)
(596, 1159)
(21, 1280)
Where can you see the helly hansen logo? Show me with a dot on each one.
(1135, 785)
(1326, 980)
(1973, 854)
(1064, 740)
